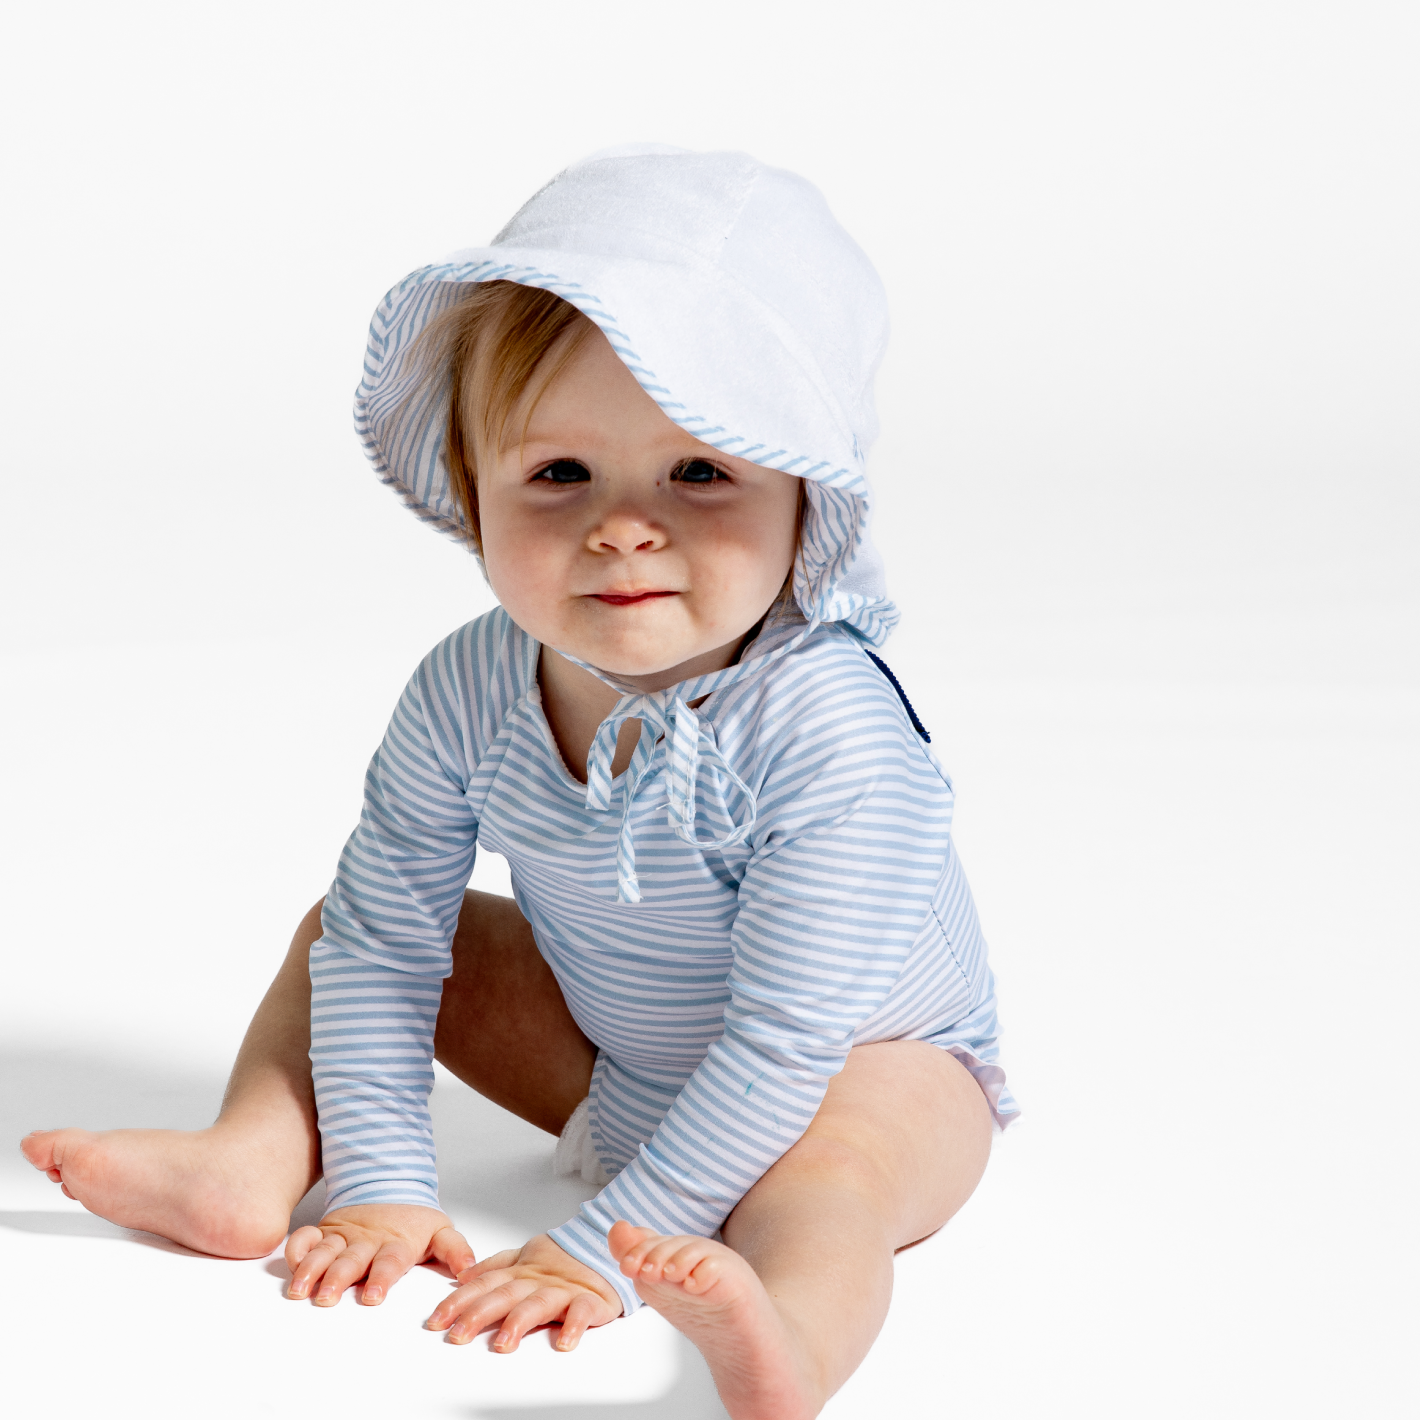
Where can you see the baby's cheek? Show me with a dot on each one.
(528, 581)
(735, 590)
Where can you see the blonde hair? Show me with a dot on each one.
(486, 351)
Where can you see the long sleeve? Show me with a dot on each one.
(377, 972)
(828, 915)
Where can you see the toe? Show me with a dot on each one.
(622, 1238)
(682, 1260)
(654, 1261)
(629, 1245)
(38, 1148)
(704, 1274)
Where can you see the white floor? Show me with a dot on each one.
(1200, 903)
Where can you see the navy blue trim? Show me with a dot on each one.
(902, 696)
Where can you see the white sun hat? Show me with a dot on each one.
(735, 299)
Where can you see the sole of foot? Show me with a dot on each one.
(711, 1295)
(193, 1187)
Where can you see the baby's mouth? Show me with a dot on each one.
(627, 598)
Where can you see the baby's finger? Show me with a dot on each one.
(585, 1310)
(390, 1264)
(458, 1301)
(345, 1271)
(300, 1243)
(490, 1308)
(315, 1257)
(496, 1263)
(449, 1248)
(541, 1307)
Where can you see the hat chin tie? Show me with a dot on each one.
(690, 742)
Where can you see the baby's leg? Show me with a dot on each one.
(504, 1027)
(229, 1189)
(786, 1310)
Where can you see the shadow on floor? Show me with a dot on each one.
(692, 1397)
(494, 1163)
(489, 1161)
(70, 1223)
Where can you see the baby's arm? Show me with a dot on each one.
(376, 981)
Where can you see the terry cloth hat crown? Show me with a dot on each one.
(735, 299)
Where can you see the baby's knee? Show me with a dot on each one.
(825, 1158)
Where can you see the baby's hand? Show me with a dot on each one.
(528, 1287)
(376, 1241)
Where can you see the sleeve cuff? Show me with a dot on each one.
(589, 1247)
(393, 1191)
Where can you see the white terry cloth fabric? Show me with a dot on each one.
(576, 1156)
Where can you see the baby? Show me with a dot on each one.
(741, 978)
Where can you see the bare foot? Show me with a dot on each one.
(199, 1188)
(712, 1294)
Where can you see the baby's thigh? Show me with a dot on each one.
(913, 1122)
(503, 1025)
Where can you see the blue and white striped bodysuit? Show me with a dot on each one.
(726, 998)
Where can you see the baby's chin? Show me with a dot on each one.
(657, 665)
(632, 667)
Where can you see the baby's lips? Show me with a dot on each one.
(631, 598)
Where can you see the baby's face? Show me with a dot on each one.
(614, 536)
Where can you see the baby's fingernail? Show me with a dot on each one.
(502, 1339)
(372, 1296)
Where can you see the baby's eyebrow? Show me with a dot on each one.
(535, 441)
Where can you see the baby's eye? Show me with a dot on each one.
(698, 471)
(563, 471)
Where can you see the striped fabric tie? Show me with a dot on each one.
(689, 742)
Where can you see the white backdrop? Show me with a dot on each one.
(1149, 495)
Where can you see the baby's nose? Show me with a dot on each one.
(626, 532)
